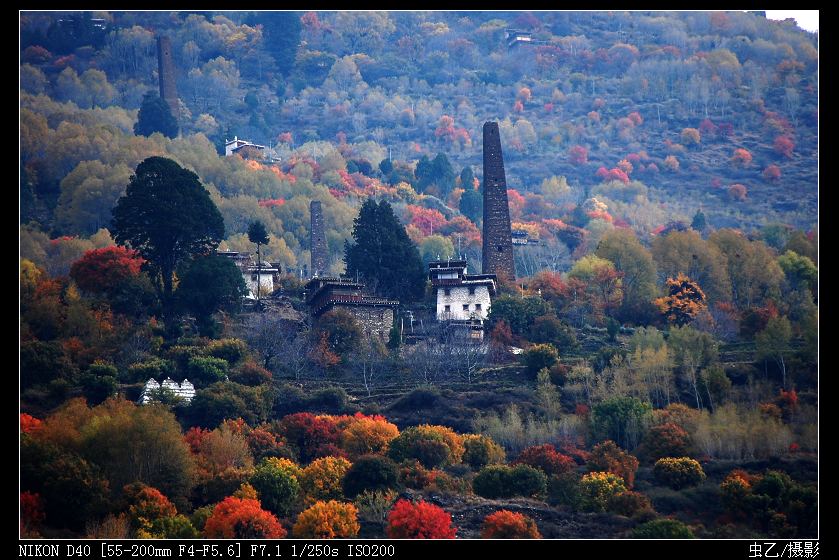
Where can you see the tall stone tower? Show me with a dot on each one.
(166, 75)
(317, 240)
(498, 242)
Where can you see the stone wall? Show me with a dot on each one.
(317, 240)
(497, 251)
(374, 321)
(457, 298)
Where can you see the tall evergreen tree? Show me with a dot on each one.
(383, 255)
(167, 216)
(282, 36)
(155, 116)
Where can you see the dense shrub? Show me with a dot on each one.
(327, 520)
(678, 472)
(419, 521)
(231, 350)
(608, 457)
(662, 529)
(481, 450)
(370, 473)
(323, 479)
(598, 488)
(433, 446)
(505, 524)
(154, 368)
(665, 440)
(418, 399)
(546, 458)
(205, 370)
(539, 356)
(564, 490)
(276, 481)
(250, 373)
(501, 481)
(629, 503)
(236, 518)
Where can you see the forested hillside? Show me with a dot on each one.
(655, 114)
(652, 373)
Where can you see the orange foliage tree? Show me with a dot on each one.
(547, 458)
(364, 435)
(784, 145)
(683, 302)
(608, 457)
(29, 424)
(327, 520)
(737, 192)
(242, 518)
(772, 172)
(505, 524)
(741, 158)
(419, 521)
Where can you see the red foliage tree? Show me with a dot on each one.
(29, 424)
(578, 155)
(419, 521)
(547, 458)
(311, 435)
(102, 270)
(505, 524)
(242, 518)
(707, 127)
(772, 172)
(665, 440)
(272, 202)
(784, 145)
(31, 512)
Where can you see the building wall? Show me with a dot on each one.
(457, 298)
(266, 284)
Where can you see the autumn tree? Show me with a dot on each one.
(773, 343)
(167, 216)
(277, 483)
(104, 270)
(635, 263)
(242, 518)
(383, 255)
(693, 351)
(419, 521)
(608, 457)
(685, 252)
(505, 524)
(754, 274)
(601, 283)
(327, 520)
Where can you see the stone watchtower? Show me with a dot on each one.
(317, 240)
(166, 75)
(498, 243)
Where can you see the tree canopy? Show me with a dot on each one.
(167, 216)
(383, 255)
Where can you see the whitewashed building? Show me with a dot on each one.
(233, 146)
(263, 276)
(462, 299)
(151, 391)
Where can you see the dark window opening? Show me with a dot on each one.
(500, 248)
(471, 290)
(466, 307)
